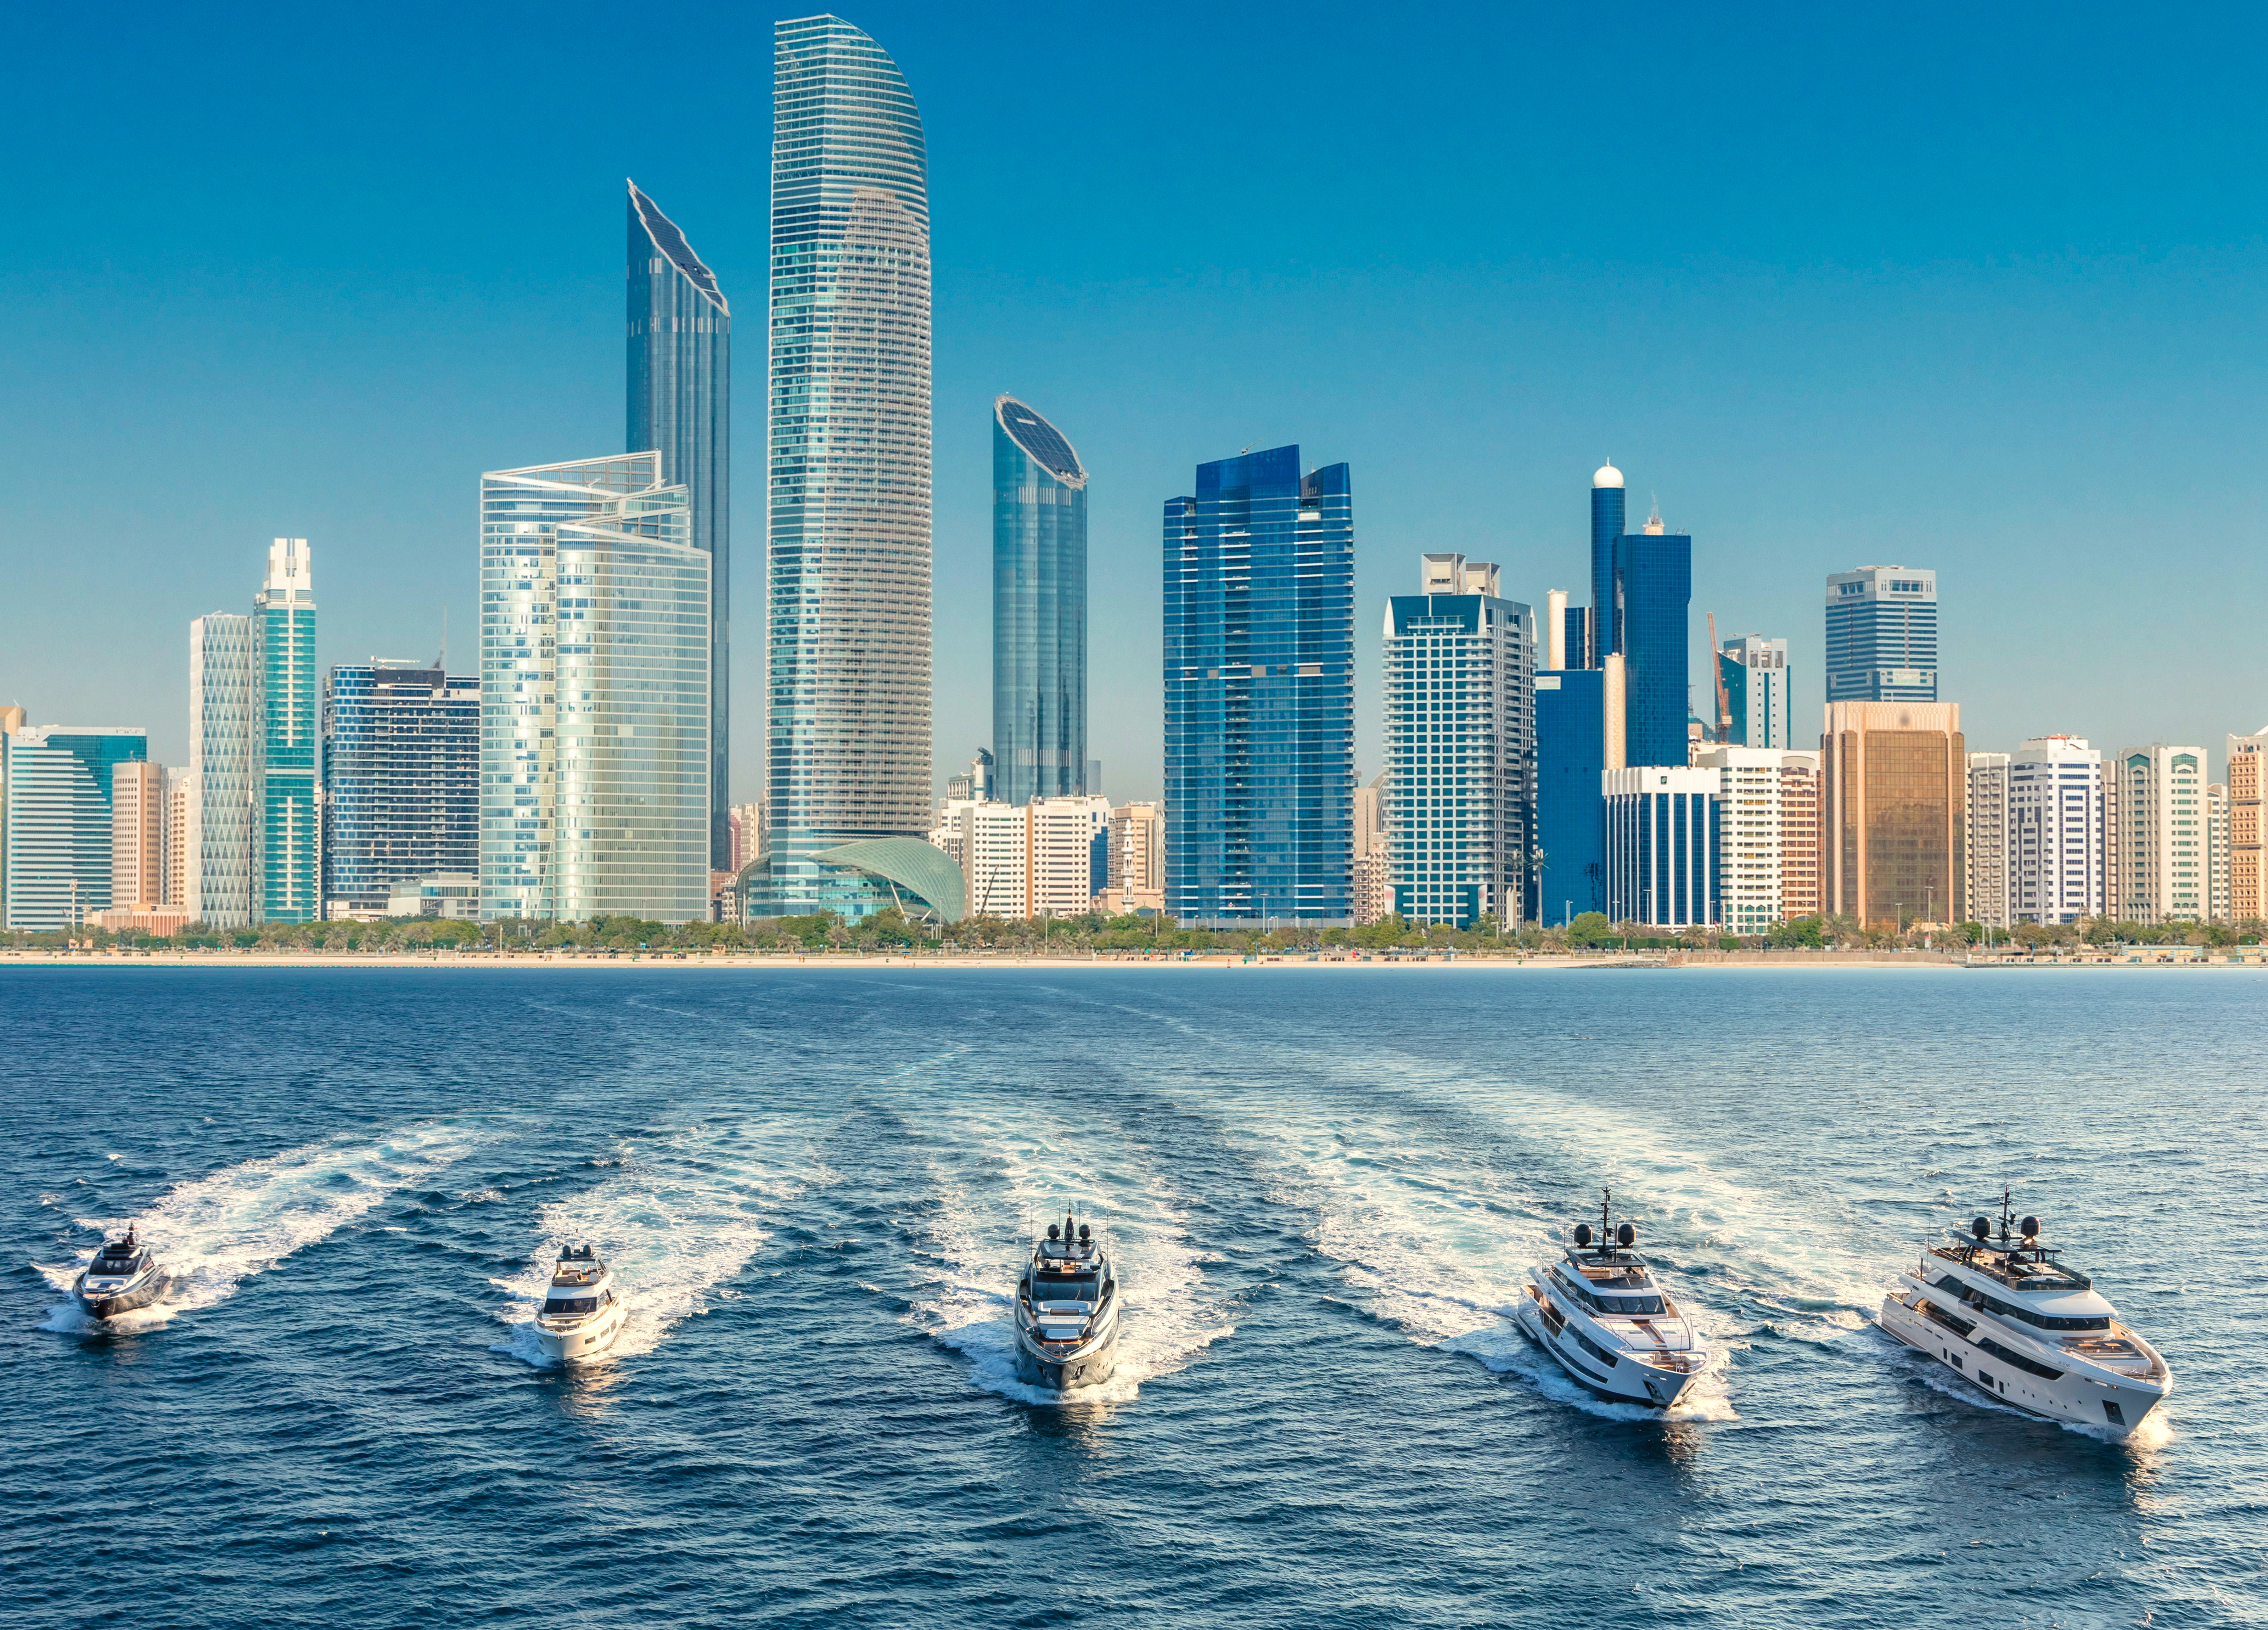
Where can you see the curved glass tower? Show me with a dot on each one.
(1039, 608)
(847, 597)
(680, 377)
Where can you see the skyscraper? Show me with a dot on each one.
(1259, 680)
(1577, 739)
(1039, 607)
(59, 824)
(1653, 590)
(847, 711)
(1882, 635)
(1600, 628)
(1986, 842)
(1460, 735)
(286, 835)
(2161, 850)
(2054, 827)
(138, 834)
(402, 779)
(1663, 828)
(1894, 791)
(224, 730)
(679, 377)
(1754, 671)
(594, 694)
(2248, 801)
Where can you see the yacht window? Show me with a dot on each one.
(1067, 1287)
(568, 1306)
(2017, 1359)
(1632, 1304)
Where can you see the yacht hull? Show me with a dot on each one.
(1059, 1371)
(1627, 1383)
(586, 1341)
(2074, 1399)
(129, 1299)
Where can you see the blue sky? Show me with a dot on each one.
(1977, 289)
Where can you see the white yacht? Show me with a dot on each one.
(1612, 1327)
(2008, 1317)
(125, 1275)
(582, 1313)
(1067, 1312)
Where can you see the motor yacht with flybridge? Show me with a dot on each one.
(1601, 1314)
(125, 1275)
(1067, 1311)
(2005, 1317)
(582, 1313)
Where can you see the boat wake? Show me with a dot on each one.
(217, 1232)
(677, 1217)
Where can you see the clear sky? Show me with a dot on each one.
(1971, 287)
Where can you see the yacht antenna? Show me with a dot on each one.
(1606, 1234)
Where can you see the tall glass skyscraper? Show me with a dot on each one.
(1654, 589)
(1600, 627)
(402, 779)
(224, 764)
(287, 837)
(594, 694)
(680, 377)
(1259, 676)
(1039, 608)
(1882, 635)
(58, 821)
(847, 704)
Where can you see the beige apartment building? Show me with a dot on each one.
(1799, 828)
(2161, 846)
(1138, 861)
(2248, 877)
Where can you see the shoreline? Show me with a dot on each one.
(2253, 958)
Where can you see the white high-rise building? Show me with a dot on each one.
(2217, 850)
(2161, 854)
(1460, 729)
(2054, 827)
(1751, 836)
(181, 856)
(595, 644)
(1027, 860)
(224, 723)
(1986, 855)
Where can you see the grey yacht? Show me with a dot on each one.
(1067, 1307)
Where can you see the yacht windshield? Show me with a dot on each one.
(569, 1307)
(1069, 1288)
(1631, 1304)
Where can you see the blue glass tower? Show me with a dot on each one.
(679, 379)
(56, 820)
(1653, 583)
(1602, 627)
(1259, 682)
(1039, 608)
(402, 779)
(1571, 809)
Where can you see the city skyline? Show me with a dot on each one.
(1959, 378)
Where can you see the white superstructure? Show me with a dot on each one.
(582, 1312)
(1610, 1324)
(2024, 1329)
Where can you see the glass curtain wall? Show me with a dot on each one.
(847, 708)
(286, 825)
(223, 758)
(1259, 691)
(58, 824)
(1654, 574)
(1039, 608)
(402, 764)
(595, 688)
(680, 391)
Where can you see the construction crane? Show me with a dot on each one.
(1717, 668)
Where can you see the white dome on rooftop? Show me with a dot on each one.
(1607, 476)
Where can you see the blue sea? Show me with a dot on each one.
(1324, 1189)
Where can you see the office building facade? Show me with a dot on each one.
(1259, 692)
(59, 832)
(287, 825)
(180, 870)
(1459, 731)
(402, 780)
(1751, 837)
(679, 389)
(1882, 635)
(1039, 607)
(1754, 673)
(224, 730)
(2161, 856)
(138, 834)
(1136, 878)
(1894, 801)
(2216, 800)
(1663, 836)
(1579, 738)
(1373, 854)
(847, 718)
(594, 694)
(1050, 857)
(1654, 590)
(1987, 846)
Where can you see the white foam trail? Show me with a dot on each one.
(217, 1231)
(678, 1215)
(1166, 1320)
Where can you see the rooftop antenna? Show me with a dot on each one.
(442, 661)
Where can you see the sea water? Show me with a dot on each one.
(1323, 1189)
